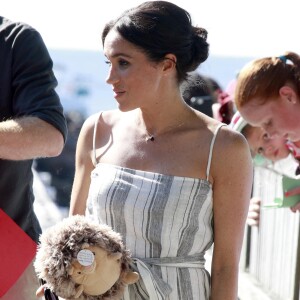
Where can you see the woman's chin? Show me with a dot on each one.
(125, 108)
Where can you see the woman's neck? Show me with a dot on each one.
(164, 119)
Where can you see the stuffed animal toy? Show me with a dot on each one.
(81, 259)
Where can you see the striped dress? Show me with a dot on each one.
(165, 221)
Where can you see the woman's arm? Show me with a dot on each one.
(83, 168)
(232, 174)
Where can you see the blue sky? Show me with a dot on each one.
(235, 27)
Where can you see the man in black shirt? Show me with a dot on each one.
(32, 124)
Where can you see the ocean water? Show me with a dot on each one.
(81, 77)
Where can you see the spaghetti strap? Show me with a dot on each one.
(94, 158)
(211, 149)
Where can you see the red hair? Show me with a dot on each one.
(263, 78)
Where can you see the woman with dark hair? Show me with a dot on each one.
(156, 170)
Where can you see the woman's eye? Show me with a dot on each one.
(123, 63)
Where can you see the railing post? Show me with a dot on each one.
(297, 272)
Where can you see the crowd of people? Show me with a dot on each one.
(273, 133)
(138, 168)
(267, 100)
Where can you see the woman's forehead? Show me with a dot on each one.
(115, 46)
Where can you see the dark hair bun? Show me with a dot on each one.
(200, 48)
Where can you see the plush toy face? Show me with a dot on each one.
(79, 258)
(101, 275)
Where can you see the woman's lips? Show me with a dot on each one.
(118, 93)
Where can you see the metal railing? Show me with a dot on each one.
(272, 250)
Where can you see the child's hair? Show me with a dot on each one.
(263, 78)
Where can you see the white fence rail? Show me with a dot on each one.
(272, 250)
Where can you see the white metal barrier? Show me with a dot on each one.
(271, 251)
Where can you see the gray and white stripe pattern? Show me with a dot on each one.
(159, 217)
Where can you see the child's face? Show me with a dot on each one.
(272, 148)
(279, 116)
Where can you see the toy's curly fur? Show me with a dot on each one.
(60, 244)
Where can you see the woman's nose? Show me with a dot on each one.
(112, 77)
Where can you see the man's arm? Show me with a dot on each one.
(32, 123)
(28, 138)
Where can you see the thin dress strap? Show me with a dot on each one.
(94, 157)
(211, 149)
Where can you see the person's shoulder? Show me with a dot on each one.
(231, 138)
(14, 27)
(111, 117)
(222, 132)
(108, 117)
(5, 23)
(227, 141)
(16, 33)
(231, 152)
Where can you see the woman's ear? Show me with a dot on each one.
(288, 93)
(170, 62)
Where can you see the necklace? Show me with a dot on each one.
(151, 137)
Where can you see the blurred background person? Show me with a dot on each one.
(200, 92)
(32, 125)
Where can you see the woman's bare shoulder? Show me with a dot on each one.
(231, 150)
(108, 117)
(229, 142)
(226, 139)
(232, 138)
